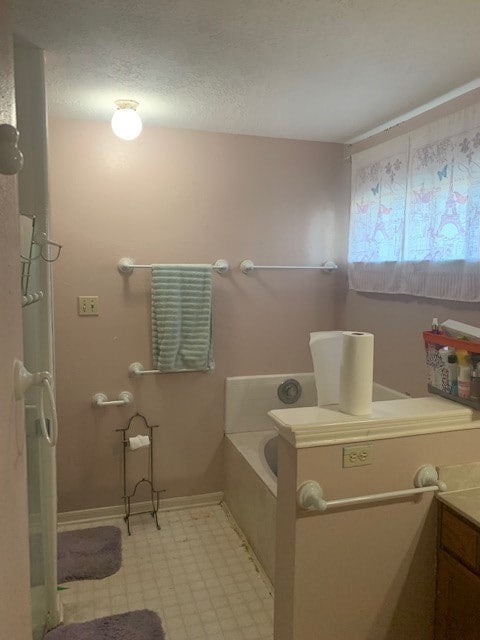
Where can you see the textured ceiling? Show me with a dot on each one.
(311, 69)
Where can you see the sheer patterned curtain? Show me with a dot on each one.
(415, 212)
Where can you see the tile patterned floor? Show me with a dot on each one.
(195, 573)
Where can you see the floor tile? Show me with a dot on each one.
(196, 573)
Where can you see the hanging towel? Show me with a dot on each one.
(182, 317)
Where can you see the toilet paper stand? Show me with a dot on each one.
(149, 479)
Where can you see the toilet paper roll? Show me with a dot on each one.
(137, 442)
(326, 348)
(356, 373)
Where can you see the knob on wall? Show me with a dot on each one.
(11, 158)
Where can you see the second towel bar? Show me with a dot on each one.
(136, 369)
(310, 493)
(247, 266)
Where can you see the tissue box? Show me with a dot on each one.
(437, 372)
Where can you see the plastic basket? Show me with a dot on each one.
(437, 374)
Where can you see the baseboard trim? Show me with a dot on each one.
(116, 511)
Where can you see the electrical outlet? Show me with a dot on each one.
(357, 455)
(88, 305)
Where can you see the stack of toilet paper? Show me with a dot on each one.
(343, 367)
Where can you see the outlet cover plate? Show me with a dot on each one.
(358, 455)
(88, 305)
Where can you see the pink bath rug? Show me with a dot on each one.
(134, 625)
(88, 554)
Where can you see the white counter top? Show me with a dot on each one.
(321, 426)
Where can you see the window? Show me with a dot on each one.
(415, 212)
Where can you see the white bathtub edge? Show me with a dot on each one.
(250, 445)
(248, 547)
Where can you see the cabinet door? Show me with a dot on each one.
(458, 601)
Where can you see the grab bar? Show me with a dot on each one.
(248, 265)
(101, 400)
(127, 265)
(310, 493)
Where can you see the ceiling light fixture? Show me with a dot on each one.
(126, 123)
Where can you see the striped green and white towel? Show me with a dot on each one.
(182, 317)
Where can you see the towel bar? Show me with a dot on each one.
(127, 265)
(247, 266)
(310, 493)
(125, 398)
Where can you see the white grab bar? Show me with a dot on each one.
(248, 265)
(310, 493)
(101, 400)
(23, 380)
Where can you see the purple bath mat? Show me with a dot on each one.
(88, 554)
(134, 625)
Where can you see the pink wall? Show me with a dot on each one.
(14, 580)
(366, 572)
(181, 196)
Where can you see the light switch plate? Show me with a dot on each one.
(88, 305)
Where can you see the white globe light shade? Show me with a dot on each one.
(126, 124)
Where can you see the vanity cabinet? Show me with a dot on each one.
(457, 615)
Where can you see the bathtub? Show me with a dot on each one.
(250, 454)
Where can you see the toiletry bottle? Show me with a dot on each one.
(475, 361)
(475, 385)
(452, 368)
(463, 357)
(435, 328)
(464, 377)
